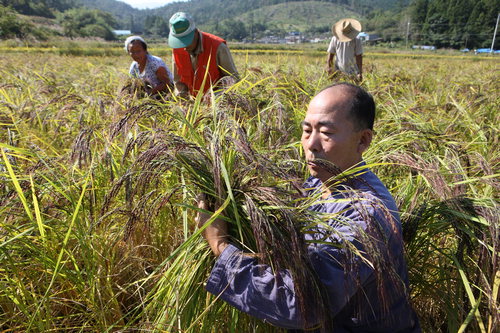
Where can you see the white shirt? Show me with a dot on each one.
(345, 54)
(149, 73)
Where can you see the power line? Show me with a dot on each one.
(448, 33)
(443, 24)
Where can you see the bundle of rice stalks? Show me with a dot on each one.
(258, 192)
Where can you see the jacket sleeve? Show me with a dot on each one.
(226, 63)
(255, 289)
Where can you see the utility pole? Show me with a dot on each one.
(407, 33)
(494, 34)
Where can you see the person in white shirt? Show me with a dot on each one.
(150, 69)
(346, 48)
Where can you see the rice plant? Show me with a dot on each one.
(98, 187)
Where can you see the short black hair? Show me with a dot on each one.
(362, 108)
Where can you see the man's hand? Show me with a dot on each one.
(215, 233)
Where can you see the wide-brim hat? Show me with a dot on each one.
(182, 30)
(346, 29)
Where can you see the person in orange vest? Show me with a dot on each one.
(201, 59)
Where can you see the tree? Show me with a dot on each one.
(156, 25)
(455, 23)
(10, 25)
(389, 24)
(87, 23)
(232, 30)
(45, 8)
(97, 30)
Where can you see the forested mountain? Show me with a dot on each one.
(44, 8)
(443, 23)
(209, 12)
(237, 19)
(120, 10)
(454, 23)
(71, 20)
(305, 16)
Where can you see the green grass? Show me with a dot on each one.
(97, 190)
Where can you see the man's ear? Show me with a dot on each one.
(365, 139)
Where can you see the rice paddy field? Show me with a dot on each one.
(98, 185)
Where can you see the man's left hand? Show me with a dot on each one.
(215, 233)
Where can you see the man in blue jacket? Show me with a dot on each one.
(337, 129)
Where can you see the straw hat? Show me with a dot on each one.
(346, 29)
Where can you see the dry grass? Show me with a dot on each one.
(96, 215)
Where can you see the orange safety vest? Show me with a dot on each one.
(194, 79)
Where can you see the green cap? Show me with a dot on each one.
(181, 30)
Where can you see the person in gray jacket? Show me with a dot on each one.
(337, 128)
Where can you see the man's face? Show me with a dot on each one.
(194, 43)
(328, 133)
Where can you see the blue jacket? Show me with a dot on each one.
(354, 298)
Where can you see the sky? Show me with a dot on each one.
(143, 4)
